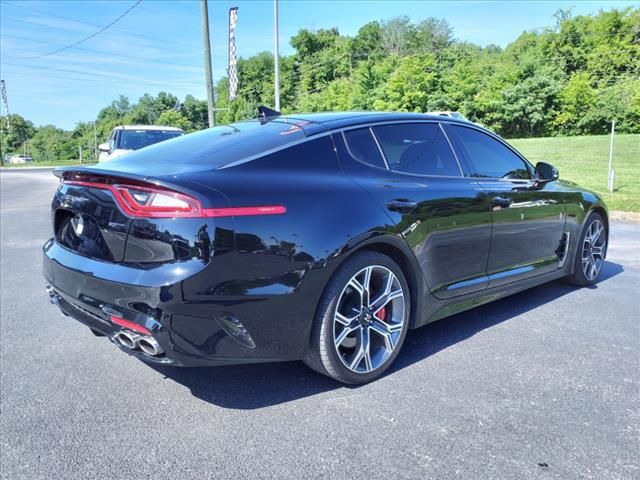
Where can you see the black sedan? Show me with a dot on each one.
(319, 237)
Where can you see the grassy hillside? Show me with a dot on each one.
(584, 160)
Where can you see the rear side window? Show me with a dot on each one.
(419, 148)
(486, 156)
(363, 147)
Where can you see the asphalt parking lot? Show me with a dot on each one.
(544, 384)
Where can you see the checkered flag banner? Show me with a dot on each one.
(233, 60)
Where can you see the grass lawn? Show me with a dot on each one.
(585, 160)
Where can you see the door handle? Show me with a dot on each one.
(500, 201)
(402, 205)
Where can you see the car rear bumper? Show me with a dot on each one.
(93, 291)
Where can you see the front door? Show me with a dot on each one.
(528, 218)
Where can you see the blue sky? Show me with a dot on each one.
(157, 46)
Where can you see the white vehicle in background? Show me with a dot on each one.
(20, 159)
(127, 138)
(449, 113)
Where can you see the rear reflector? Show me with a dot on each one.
(130, 325)
(152, 201)
(245, 211)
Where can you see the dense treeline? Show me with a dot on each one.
(571, 79)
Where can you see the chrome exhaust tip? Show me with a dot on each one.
(150, 346)
(128, 339)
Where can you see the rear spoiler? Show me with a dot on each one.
(62, 172)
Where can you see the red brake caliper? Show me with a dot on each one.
(381, 314)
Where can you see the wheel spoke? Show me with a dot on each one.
(366, 298)
(363, 292)
(363, 352)
(586, 266)
(598, 251)
(598, 229)
(344, 320)
(387, 295)
(346, 331)
(594, 269)
(386, 332)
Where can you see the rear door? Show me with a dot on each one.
(528, 218)
(412, 172)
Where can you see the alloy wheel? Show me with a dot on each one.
(594, 248)
(369, 319)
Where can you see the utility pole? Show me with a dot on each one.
(276, 54)
(3, 92)
(207, 64)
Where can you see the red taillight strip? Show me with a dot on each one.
(130, 325)
(244, 211)
(127, 204)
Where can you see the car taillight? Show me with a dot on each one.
(156, 203)
(146, 201)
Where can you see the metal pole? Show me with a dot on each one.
(610, 176)
(276, 54)
(207, 64)
(95, 141)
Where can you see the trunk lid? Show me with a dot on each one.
(89, 218)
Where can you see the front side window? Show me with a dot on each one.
(417, 148)
(363, 147)
(486, 156)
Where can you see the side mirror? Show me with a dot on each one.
(545, 172)
(104, 147)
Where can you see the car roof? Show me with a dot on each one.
(147, 127)
(313, 123)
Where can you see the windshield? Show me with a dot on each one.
(136, 139)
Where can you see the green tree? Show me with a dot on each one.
(15, 132)
(173, 118)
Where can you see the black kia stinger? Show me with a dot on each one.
(316, 237)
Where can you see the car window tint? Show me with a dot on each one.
(487, 157)
(363, 147)
(417, 148)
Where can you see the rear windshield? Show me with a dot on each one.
(136, 139)
(213, 148)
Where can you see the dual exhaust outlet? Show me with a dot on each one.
(134, 341)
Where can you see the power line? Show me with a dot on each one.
(115, 77)
(89, 50)
(107, 81)
(139, 35)
(129, 43)
(138, 2)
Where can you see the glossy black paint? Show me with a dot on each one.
(190, 279)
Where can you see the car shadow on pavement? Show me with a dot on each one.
(248, 387)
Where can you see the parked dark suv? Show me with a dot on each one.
(320, 237)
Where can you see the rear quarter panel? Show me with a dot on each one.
(285, 261)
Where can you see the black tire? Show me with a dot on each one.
(324, 356)
(579, 277)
